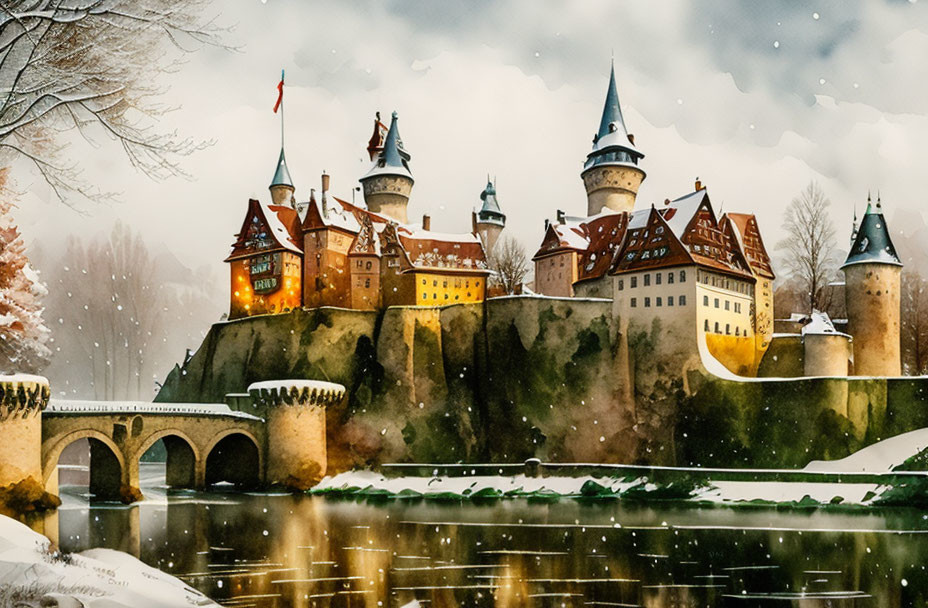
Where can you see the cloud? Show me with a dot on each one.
(516, 88)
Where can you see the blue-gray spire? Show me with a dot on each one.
(612, 143)
(612, 113)
(391, 147)
(872, 244)
(393, 159)
(282, 174)
(490, 213)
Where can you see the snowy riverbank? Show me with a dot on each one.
(32, 575)
(698, 486)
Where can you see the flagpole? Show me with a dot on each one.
(281, 109)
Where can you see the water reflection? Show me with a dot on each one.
(283, 550)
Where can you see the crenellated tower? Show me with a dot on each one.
(389, 182)
(873, 276)
(611, 174)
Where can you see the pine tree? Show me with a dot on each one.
(23, 334)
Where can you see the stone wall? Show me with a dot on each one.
(506, 380)
(556, 378)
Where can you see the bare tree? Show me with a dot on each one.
(90, 66)
(914, 323)
(509, 261)
(809, 248)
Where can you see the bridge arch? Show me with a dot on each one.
(108, 470)
(183, 456)
(233, 456)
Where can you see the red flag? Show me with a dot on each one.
(280, 92)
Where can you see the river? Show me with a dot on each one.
(282, 550)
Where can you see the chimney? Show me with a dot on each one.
(666, 201)
(426, 222)
(631, 139)
(325, 187)
(473, 222)
(561, 216)
(698, 185)
(547, 223)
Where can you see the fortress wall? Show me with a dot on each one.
(559, 379)
(784, 358)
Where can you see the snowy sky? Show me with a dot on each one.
(755, 98)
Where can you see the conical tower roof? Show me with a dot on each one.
(490, 211)
(612, 120)
(611, 144)
(282, 174)
(872, 244)
(392, 160)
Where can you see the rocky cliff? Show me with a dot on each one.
(514, 378)
(557, 379)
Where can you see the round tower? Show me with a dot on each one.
(826, 351)
(296, 435)
(282, 185)
(873, 276)
(22, 399)
(389, 182)
(611, 174)
(490, 219)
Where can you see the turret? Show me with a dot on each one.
(282, 186)
(389, 182)
(611, 174)
(490, 219)
(873, 274)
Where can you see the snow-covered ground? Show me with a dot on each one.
(721, 492)
(31, 575)
(879, 457)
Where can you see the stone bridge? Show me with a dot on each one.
(206, 444)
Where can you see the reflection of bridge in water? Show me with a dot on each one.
(205, 444)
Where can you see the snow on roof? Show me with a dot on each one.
(638, 219)
(275, 223)
(679, 212)
(820, 324)
(428, 235)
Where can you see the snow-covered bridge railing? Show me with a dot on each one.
(77, 407)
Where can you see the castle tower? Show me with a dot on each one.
(490, 220)
(295, 414)
(282, 186)
(389, 182)
(611, 174)
(873, 274)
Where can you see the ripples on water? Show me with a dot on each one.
(283, 550)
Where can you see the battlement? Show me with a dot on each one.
(22, 394)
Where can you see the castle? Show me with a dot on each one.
(678, 266)
(329, 252)
(697, 275)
